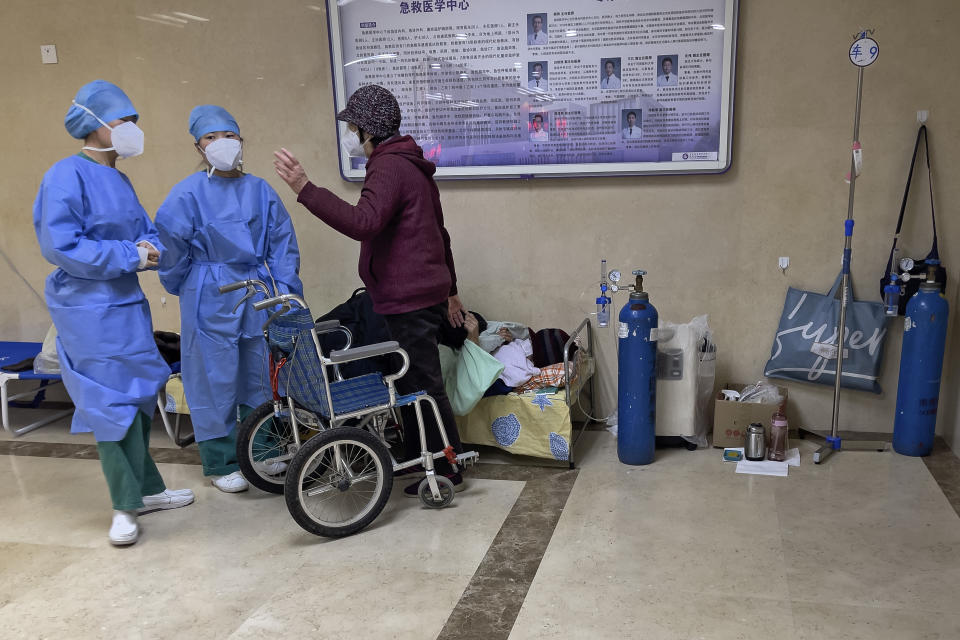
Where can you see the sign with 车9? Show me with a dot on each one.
(864, 52)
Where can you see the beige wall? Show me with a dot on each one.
(529, 251)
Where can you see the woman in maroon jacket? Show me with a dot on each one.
(405, 258)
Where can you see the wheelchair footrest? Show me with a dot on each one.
(468, 458)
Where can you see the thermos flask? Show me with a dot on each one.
(755, 447)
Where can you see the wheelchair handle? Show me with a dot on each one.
(233, 286)
(272, 302)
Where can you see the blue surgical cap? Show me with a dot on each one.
(207, 118)
(105, 99)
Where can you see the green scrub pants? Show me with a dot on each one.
(130, 471)
(219, 455)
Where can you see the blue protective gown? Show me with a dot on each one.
(88, 220)
(216, 231)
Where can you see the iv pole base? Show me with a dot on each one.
(832, 444)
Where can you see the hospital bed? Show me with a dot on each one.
(538, 423)
(12, 353)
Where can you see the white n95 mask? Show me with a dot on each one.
(224, 154)
(351, 145)
(127, 138)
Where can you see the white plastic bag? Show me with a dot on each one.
(47, 361)
(762, 392)
(706, 378)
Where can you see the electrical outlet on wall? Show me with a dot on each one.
(48, 53)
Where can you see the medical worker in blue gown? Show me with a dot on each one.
(91, 226)
(220, 225)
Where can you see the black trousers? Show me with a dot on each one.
(416, 331)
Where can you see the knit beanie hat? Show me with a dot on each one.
(373, 109)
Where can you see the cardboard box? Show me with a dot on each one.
(731, 419)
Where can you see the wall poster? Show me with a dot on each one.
(495, 89)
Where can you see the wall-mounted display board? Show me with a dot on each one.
(499, 88)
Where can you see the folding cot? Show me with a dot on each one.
(13, 353)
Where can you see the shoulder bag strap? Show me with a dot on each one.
(903, 205)
(934, 251)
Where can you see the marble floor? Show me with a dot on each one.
(866, 545)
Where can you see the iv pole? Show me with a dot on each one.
(863, 53)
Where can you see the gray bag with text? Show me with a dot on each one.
(805, 347)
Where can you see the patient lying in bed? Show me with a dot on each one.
(496, 358)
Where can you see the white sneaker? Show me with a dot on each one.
(272, 468)
(169, 499)
(233, 483)
(124, 530)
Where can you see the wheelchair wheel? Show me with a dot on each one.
(264, 443)
(339, 482)
(446, 493)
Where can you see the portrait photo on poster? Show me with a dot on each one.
(537, 75)
(610, 73)
(667, 70)
(631, 121)
(537, 29)
(538, 127)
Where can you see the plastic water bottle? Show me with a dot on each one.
(778, 437)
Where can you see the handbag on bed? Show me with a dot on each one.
(168, 344)
(548, 346)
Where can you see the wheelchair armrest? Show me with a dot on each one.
(326, 325)
(329, 326)
(366, 351)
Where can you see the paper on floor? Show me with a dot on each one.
(769, 467)
(793, 457)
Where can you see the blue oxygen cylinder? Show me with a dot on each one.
(921, 364)
(637, 398)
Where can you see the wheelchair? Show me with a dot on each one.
(334, 430)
